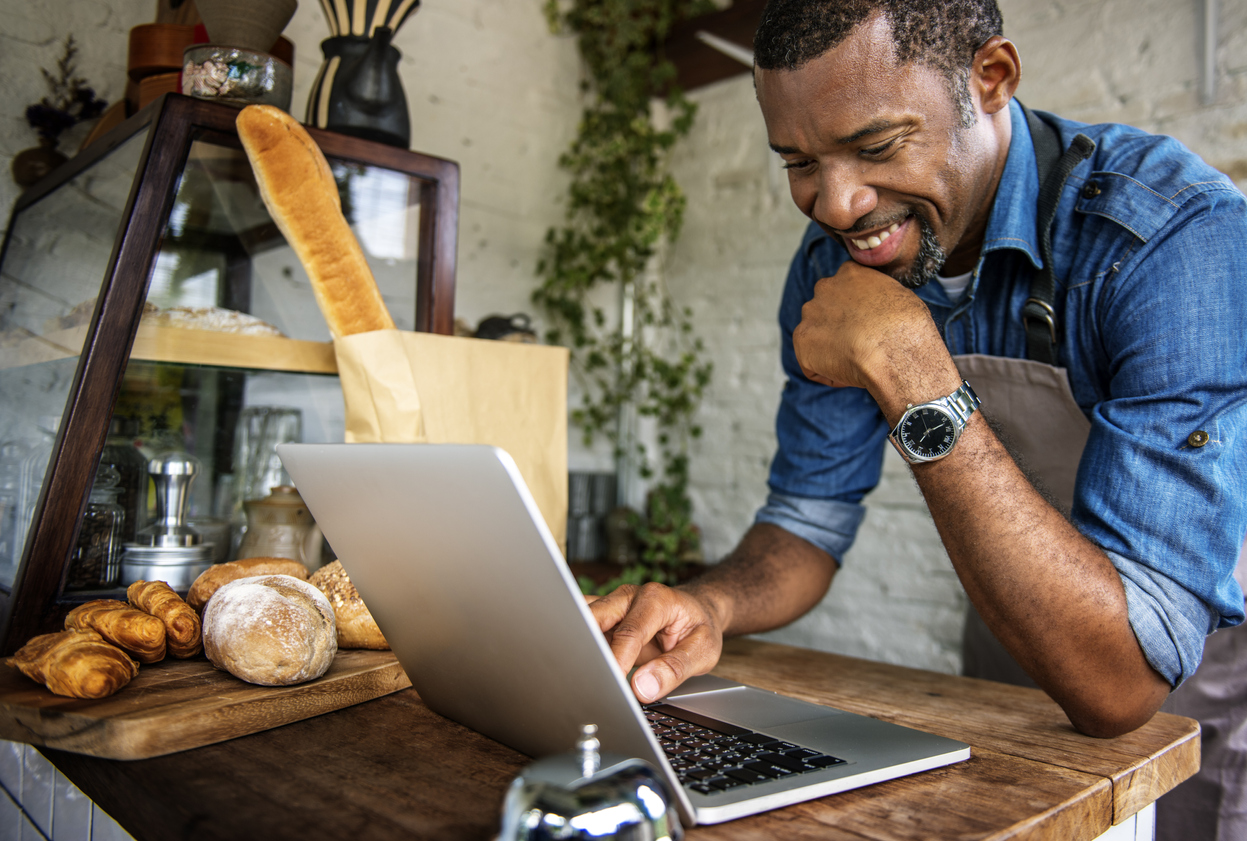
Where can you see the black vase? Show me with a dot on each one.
(358, 91)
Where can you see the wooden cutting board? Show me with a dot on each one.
(176, 705)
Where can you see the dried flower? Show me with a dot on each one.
(70, 102)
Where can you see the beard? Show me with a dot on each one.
(928, 262)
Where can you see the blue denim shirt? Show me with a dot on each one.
(1150, 253)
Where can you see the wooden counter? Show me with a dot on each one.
(391, 769)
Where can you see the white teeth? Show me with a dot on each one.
(877, 240)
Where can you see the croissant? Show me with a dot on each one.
(137, 633)
(183, 633)
(77, 664)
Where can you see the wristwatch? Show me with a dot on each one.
(927, 432)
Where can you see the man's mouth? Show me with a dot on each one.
(875, 240)
(881, 248)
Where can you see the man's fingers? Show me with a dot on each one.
(695, 655)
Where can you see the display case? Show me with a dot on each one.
(149, 304)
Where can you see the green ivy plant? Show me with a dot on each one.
(623, 206)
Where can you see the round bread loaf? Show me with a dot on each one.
(274, 630)
(217, 575)
(356, 627)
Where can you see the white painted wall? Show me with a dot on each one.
(897, 597)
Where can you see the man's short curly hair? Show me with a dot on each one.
(941, 34)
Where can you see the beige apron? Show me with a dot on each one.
(1033, 412)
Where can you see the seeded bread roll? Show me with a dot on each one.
(218, 575)
(298, 189)
(356, 627)
(273, 630)
(139, 634)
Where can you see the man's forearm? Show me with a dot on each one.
(771, 579)
(1050, 595)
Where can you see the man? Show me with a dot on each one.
(1101, 577)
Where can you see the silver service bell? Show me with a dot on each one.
(589, 795)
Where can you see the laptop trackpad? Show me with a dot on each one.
(755, 709)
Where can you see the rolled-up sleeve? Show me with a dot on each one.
(829, 524)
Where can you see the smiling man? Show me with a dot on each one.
(1043, 317)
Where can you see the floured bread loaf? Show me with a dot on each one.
(356, 627)
(299, 191)
(274, 630)
(218, 575)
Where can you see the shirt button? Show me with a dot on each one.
(1091, 190)
(1198, 438)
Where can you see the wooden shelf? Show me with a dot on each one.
(184, 346)
(231, 350)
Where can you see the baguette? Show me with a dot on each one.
(139, 634)
(183, 631)
(298, 189)
(76, 664)
(218, 575)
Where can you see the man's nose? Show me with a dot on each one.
(843, 198)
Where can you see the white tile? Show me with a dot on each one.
(104, 828)
(38, 778)
(71, 812)
(11, 817)
(11, 766)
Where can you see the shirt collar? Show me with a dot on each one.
(1014, 217)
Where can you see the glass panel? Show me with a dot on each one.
(222, 254)
(50, 280)
(212, 414)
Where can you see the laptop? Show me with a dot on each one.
(452, 556)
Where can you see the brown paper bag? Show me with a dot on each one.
(403, 387)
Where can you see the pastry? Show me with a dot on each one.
(356, 627)
(298, 189)
(182, 628)
(76, 664)
(217, 575)
(137, 633)
(274, 630)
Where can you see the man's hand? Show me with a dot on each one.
(860, 327)
(669, 634)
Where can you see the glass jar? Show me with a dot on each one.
(96, 561)
(123, 455)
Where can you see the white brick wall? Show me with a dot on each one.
(897, 598)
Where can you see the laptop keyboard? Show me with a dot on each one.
(709, 755)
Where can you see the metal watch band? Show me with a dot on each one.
(959, 406)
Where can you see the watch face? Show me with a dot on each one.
(927, 433)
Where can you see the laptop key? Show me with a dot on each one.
(766, 769)
(745, 775)
(781, 761)
(760, 739)
(801, 753)
(823, 761)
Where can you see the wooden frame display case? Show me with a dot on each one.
(143, 282)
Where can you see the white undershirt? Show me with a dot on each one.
(955, 286)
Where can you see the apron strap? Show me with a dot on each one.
(1038, 316)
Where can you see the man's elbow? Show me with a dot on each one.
(1118, 713)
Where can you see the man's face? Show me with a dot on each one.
(877, 155)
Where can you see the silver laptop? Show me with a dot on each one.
(453, 558)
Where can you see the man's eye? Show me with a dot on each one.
(880, 150)
(802, 164)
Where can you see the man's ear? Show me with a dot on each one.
(996, 72)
